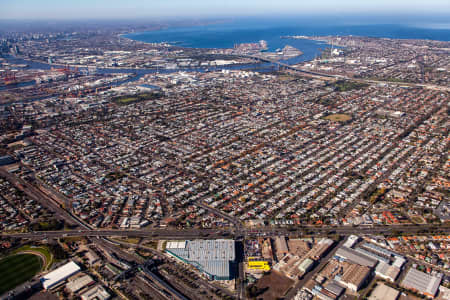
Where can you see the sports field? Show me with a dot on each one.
(17, 269)
(338, 117)
(41, 251)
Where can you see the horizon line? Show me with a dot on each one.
(159, 18)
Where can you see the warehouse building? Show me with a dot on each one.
(98, 292)
(306, 265)
(258, 265)
(281, 246)
(384, 292)
(79, 283)
(379, 250)
(356, 257)
(387, 272)
(320, 249)
(372, 255)
(351, 241)
(421, 282)
(215, 258)
(354, 277)
(57, 276)
(334, 288)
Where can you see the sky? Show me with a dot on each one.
(125, 9)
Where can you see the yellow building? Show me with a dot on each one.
(258, 265)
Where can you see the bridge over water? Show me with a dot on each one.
(289, 67)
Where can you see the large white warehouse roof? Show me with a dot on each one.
(60, 274)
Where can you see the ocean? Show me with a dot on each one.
(246, 30)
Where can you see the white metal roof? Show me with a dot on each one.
(176, 245)
(59, 274)
(79, 283)
(423, 282)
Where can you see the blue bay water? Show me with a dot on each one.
(226, 34)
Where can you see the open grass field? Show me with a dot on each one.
(124, 100)
(128, 100)
(418, 219)
(338, 117)
(343, 85)
(17, 269)
(286, 78)
(41, 251)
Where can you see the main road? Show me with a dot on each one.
(161, 233)
(337, 76)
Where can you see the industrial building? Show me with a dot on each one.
(306, 265)
(380, 251)
(92, 257)
(320, 249)
(289, 266)
(384, 292)
(334, 288)
(387, 272)
(421, 282)
(79, 283)
(258, 265)
(281, 246)
(96, 293)
(372, 255)
(356, 257)
(215, 258)
(321, 293)
(59, 275)
(351, 241)
(354, 277)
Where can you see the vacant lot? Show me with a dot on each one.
(276, 283)
(17, 269)
(338, 117)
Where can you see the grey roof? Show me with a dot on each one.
(210, 256)
(334, 288)
(380, 250)
(422, 282)
(356, 257)
(372, 255)
(443, 211)
(218, 268)
(79, 283)
(211, 250)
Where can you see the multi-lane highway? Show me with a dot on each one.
(237, 231)
(240, 233)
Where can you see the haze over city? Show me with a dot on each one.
(107, 9)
